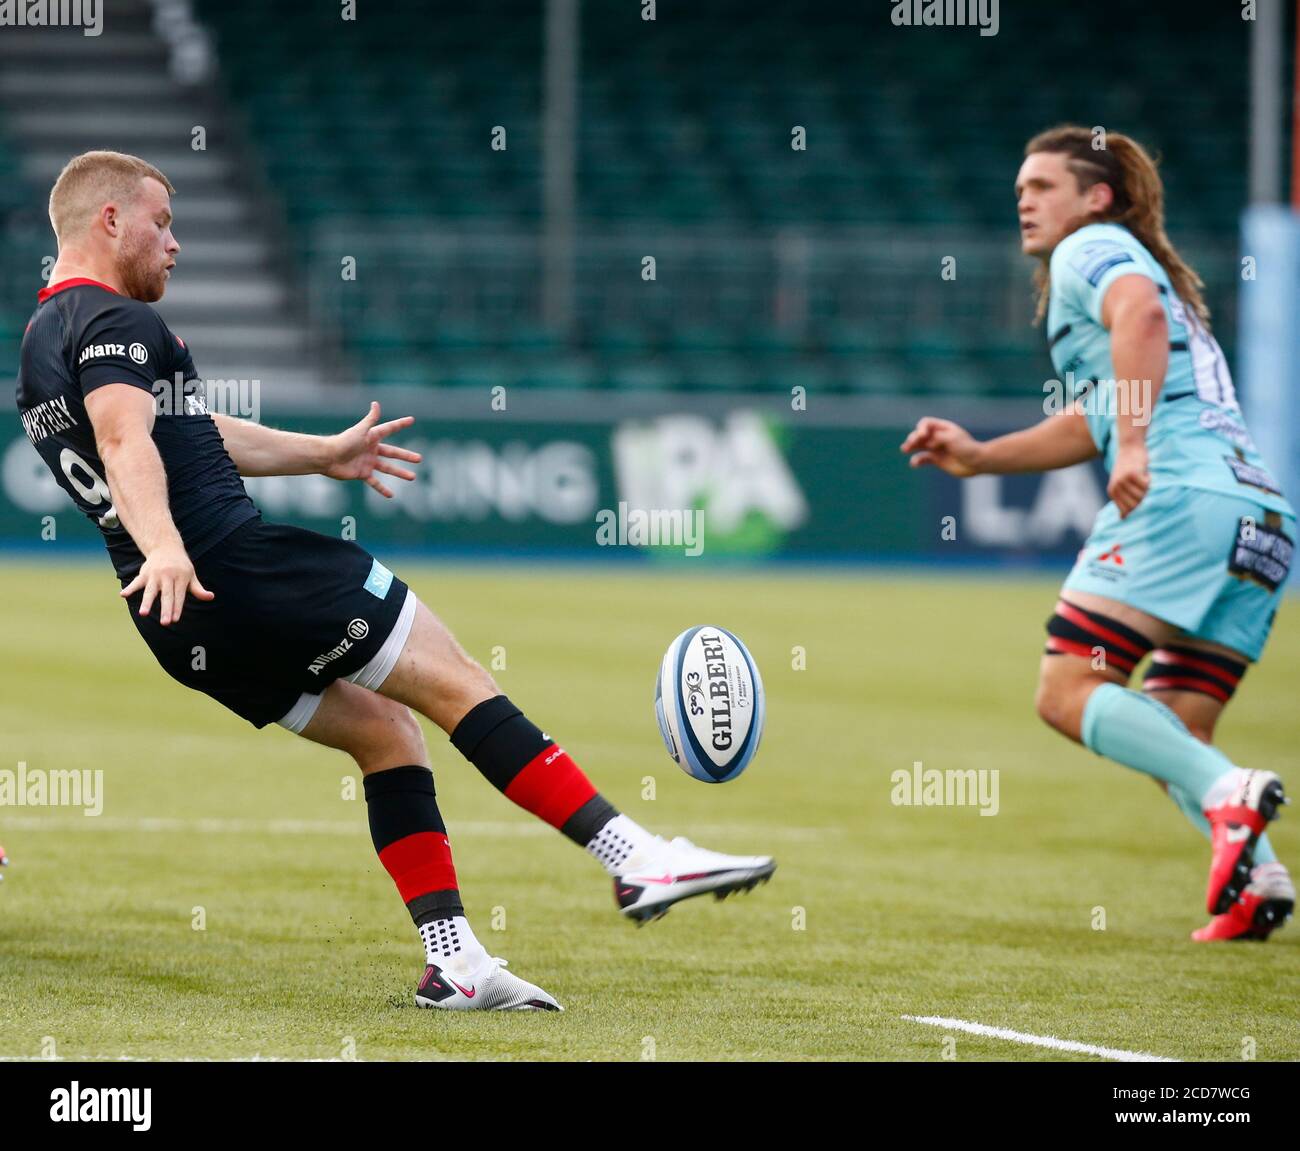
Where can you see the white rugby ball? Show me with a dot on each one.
(709, 703)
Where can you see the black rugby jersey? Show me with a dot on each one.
(84, 335)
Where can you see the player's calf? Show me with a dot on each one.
(411, 840)
(412, 843)
(377, 732)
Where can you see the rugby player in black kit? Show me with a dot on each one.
(299, 629)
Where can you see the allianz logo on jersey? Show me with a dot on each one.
(137, 352)
(358, 629)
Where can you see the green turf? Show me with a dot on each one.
(308, 952)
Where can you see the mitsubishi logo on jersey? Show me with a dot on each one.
(1112, 554)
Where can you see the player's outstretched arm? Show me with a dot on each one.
(1058, 441)
(261, 451)
(122, 416)
(354, 454)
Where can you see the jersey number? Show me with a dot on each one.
(91, 487)
(1209, 369)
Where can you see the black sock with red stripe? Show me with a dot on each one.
(411, 839)
(529, 768)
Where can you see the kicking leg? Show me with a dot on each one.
(411, 840)
(435, 676)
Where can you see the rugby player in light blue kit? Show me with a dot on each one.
(1189, 559)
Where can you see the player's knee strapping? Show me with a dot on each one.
(530, 769)
(1074, 630)
(1176, 668)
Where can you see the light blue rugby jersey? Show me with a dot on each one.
(1196, 438)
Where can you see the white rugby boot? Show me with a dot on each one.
(663, 872)
(479, 984)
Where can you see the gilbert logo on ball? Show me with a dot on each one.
(709, 703)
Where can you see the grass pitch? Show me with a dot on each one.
(227, 902)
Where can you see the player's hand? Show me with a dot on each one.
(167, 575)
(360, 452)
(945, 445)
(1129, 478)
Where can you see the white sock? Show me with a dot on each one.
(449, 939)
(617, 841)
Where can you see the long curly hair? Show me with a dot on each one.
(1138, 204)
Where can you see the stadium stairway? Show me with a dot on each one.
(233, 298)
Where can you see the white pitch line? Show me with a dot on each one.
(1048, 1041)
(166, 824)
(166, 1059)
(472, 828)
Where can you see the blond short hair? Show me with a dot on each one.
(88, 181)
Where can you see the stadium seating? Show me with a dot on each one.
(370, 137)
